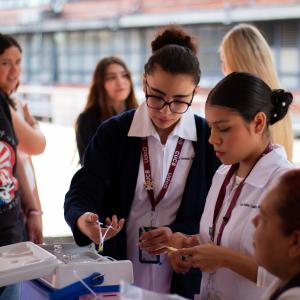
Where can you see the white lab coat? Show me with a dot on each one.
(291, 294)
(238, 232)
(157, 277)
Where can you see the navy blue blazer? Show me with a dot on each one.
(106, 184)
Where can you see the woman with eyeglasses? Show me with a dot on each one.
(151, 167)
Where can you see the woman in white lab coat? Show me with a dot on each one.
(277, 237)
(239, 111)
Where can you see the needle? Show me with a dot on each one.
(172, 249)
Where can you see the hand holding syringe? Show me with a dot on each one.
(103, 233)
(89, 224)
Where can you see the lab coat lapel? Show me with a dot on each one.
(131, 167)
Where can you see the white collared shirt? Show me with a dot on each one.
(290, 294)
(157, 277)
(238, 232)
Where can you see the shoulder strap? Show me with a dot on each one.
(294, 282)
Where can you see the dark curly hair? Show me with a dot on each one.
(174, 50)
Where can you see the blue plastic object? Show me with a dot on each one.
(74, 290)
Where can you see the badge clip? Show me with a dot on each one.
(148, 185)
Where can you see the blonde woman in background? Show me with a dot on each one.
(244, 49)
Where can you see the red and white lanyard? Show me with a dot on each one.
(147, 171)
(234, 199)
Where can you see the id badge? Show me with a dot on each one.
(144, 256)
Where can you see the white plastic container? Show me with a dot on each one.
(24, 261)
(85, 260)
(55, 265)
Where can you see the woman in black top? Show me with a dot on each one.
(31, 140)
(11, 219)
(11, 224)
(13, 180)
(111, 92)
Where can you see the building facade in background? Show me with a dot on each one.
(63, 40)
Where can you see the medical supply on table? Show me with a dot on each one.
(62, 270)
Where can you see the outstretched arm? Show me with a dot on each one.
(210, 257)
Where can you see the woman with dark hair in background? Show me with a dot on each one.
(111, 93)
(239, 111)
(152, 167)
(20, 137)
(30, 139)
(277, 236)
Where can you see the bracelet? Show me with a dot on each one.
(34, 212)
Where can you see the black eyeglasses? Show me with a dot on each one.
(176, 106)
